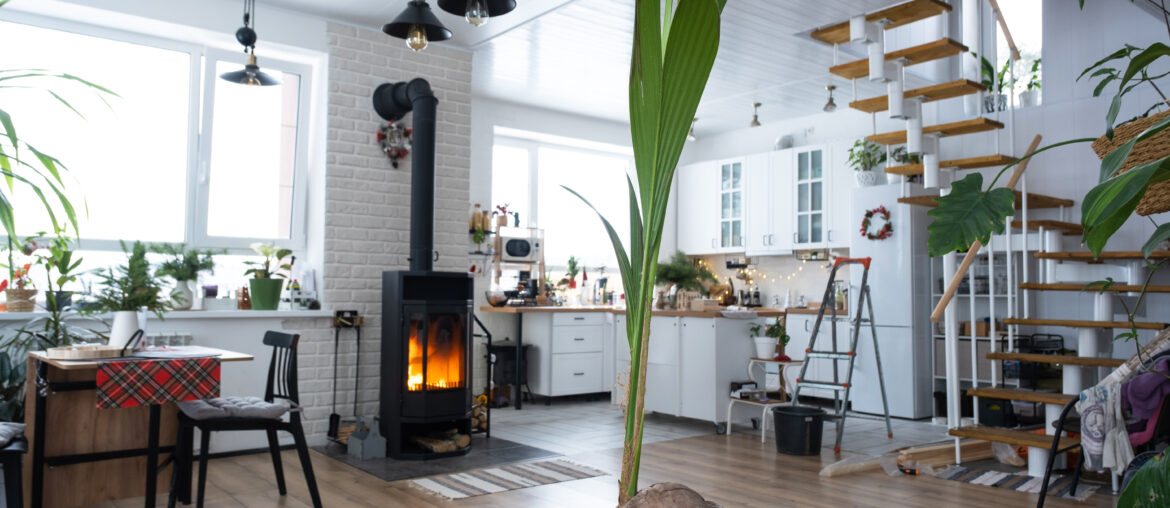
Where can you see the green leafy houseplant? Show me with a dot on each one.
(1034, 75)
(683, 273)
(12, 373)
(571, 271)
(267, 279)
(865, 155)
(183, 264)
(674, 48)
(130, 287)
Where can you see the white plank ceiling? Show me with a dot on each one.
(573, 55)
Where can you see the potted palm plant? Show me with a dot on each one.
(125, 291)
(184, 266)
(267, 279)
(864, 157)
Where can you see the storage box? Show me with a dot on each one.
(982, 328)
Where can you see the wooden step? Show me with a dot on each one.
(1058, 399)
(1086, 361)
(1035, 201)
(982, 161)
(957, 88)
(1068, 228)
(970, 126)
(1083, 323)
(1081, 287)
(1011, 436)
(1088, 256)
(941, 48)
(895, 16)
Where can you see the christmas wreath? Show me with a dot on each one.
(395, 141)
(886, 230)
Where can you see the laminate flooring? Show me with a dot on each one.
(735, 470)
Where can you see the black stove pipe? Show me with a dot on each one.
(392, 101)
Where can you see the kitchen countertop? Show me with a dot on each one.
(761, 312)
(805, 310)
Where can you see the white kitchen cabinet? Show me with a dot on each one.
(768, 224)
(662, 368)
(698, 208)
(732, 175)
(810, 190)
(713, 353)
(843, 221)
(568, 352)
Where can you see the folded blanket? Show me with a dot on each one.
(1103, 433)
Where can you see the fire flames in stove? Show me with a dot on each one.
(443, 355)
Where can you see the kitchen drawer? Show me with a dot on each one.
(576, 373)
(578, 318)
(576, 339)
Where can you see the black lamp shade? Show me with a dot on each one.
(417, 12)
(250, 75)
(494, 7)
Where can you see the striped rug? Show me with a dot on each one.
(1058, 485)
(478, 482)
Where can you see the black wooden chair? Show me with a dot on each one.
(11, 457)
(282, 384)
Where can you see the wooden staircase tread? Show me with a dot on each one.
(935, 50)
(1069, 228)
(1087, 361)
(1083, 323)
(1035, 201)
(981, 161)
(969, 126)
(1011, 436)
(1088, 256)
(1059, 399)
(957, 88)
(1081, 287)
(895, 16)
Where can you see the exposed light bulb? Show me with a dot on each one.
(416, 37)
(477, 12)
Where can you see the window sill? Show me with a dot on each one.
(198, 314)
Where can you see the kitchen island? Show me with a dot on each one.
(693, 355)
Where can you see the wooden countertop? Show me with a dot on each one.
(223, 354)
(761, 312)
(805, 310)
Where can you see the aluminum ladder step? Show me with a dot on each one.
(838, 355)
(824, 385)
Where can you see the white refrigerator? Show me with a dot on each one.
(899, 284)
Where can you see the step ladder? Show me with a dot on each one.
(840, 389)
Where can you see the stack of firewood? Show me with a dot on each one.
(479, 417)
(448, 441)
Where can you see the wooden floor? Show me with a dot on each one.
(732, 471)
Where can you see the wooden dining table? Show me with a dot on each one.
(86, 455)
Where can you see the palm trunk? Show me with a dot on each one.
(635, 409)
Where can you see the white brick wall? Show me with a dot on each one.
(367, 204)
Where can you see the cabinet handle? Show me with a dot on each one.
(579, 318)
(793, 237)
(830, 235)
(712, 243)
(764, 240)
(579, 339)
(806, 325)
(578, 373)
(771, 239)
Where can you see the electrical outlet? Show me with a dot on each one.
(346, 319)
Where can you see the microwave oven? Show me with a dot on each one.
(519, 249)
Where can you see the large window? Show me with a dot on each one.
(179, 155)
(532, 176)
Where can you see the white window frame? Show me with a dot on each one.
(200, 112)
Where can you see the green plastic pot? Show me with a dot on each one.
(265, 293)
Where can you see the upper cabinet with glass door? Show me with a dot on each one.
(809, 230)
(731, 206)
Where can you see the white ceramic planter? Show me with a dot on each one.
(1029, 98)
(765, 347)
(182, 296)
(124, 326)
(866, 178)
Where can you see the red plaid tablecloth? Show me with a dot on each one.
(133, 383)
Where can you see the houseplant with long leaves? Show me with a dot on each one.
(674, 48)
(184, 265)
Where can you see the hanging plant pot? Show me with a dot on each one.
(866, 178)
(21, 300)
(265, 293)
(1157, 197)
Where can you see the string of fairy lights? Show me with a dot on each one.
(754, 275)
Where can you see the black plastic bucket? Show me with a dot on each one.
(799, 429)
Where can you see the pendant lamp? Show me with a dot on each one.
(418, 25)
(477, 12)
(250, 74)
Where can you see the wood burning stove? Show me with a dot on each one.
(426, 328)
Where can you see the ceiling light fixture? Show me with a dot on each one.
(477, 12)
(250, 74)
(691, 133)
(755, 115)
(830, 106)
(418, 25)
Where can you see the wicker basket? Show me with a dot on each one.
(1157, 197)
(21, 300)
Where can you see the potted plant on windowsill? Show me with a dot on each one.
(267, 280)
(60, 259)
(125, 291)
(864, 157)
(184, 266)
(1031, 95)
(771, 342)
(22, 295)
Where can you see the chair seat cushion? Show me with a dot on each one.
(9, 431)
(232, 407)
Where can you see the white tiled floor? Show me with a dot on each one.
(572, 426)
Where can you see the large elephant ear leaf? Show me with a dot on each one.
(968, 214)
(1108, 205)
